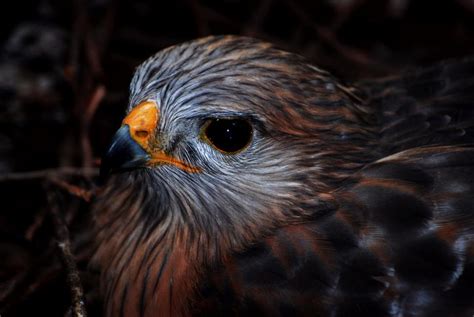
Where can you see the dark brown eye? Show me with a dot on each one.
(228, 135)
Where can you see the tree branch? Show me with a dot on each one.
(48, 173)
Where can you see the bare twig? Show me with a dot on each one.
(74, 190)
(78, 31)
(108, 25)
(49, 173)
(35, 225)
(96, 98)
(93, 56)
(86, 118)
(77, 293)
(64, 245)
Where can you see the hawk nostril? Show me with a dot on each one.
(141, 133)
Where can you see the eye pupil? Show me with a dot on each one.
(228, 135)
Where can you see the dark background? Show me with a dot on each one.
(64, 73)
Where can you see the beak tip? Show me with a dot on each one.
(123, 153)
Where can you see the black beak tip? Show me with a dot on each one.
(123, 154)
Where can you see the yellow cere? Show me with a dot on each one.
(142, 121)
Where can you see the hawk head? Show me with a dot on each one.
(224, 138)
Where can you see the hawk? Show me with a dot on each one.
(245, 180)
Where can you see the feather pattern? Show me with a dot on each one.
(348, 201)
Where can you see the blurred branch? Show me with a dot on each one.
(86, 118)
(52, 172)
(90, 43)
(35, 225)
(74, 190)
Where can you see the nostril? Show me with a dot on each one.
(141, 133)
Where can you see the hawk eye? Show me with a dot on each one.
(228, 135)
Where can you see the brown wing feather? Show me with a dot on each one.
(400, 243)
(429, 106)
